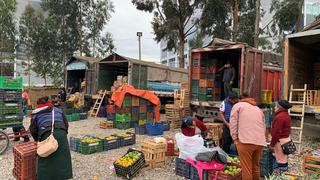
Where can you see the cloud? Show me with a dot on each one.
(125, 23)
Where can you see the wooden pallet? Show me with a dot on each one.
(106, 124)
(311, 162)
(313, 97)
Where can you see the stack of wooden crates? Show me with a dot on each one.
(154, 153)
(180, 108)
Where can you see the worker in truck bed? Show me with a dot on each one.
(229, 74)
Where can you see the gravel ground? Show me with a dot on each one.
(85, 167)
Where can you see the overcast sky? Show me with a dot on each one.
(126, 21)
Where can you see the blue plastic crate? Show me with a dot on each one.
(195, 83)
(111, 144)
(166, 126)
(111, 117)
(140, 129)
(134, 124)
(266, 163)
(73, 143)
(154, 130)
(135, 109)
(182, 168)
(150, 109)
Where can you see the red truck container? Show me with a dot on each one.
(247, 61)
(272, 80)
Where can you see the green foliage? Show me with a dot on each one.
(264, 43)
(7, 30)
(214, 20)
(173, 21)
(197, 41)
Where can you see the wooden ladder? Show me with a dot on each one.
(97, 104)
(298, 114)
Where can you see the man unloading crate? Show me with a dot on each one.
(229, 74)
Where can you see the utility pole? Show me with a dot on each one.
(139, 34)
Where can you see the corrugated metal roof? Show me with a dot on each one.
(312, 26)
(89, 60)
(117, 57)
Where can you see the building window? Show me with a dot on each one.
(164, 62)
(172, 62)
(163, 54)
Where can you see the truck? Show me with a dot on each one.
(302, 65)
(205, 77)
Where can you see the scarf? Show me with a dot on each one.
(249, 100)
(44, 105)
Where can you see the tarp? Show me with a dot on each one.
(118, 97)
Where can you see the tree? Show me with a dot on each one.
(96, 17)
(215, 20)
(235, 20)
(26, 32)
(173, 21)
(197, 41)
(105, 45)
(7, 31)
(287, 15)
(256, 24)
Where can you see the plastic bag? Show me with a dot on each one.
(189, 147)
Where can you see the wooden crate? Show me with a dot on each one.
(106, 124)
(216, 129)
(310, 161)
(173, 115)
(313, 97)
(185, 85)
(154, 153)
(182, 98)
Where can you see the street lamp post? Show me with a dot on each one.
(139, 34)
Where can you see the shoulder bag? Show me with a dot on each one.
(49, 145)
(288, 148)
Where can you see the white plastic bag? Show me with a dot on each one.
(189, 147)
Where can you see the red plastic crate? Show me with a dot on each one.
(135, 101)
(170, 147)
(199, 56)
(111, 109)
(143, 109)
(198, 70)
(150, 115)
(25, 157)
(212, 69)
(198, 76)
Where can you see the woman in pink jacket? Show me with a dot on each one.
(247, 128)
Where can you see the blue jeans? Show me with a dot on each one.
(25, 110)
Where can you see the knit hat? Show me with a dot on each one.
(188, 120)
(232, 95)
(284, 104)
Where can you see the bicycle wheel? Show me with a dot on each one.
(4, 141)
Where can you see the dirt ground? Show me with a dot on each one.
(85, 167)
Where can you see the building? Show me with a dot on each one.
(312, 11)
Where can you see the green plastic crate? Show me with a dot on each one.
(202, 90)
(76, 116)
(142, 101)
(127, 102)
(11, 118)
(69, 117)
(202, 97)
(89, 148)
(123, 117)
(10, 108)
(142, 116)
(10, 83)
(195, 89)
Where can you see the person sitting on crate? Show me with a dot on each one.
(57, 165)
(280, 134)
(191, 126)
(225, 112)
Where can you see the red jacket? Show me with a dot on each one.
(191, 131)
(281, 126)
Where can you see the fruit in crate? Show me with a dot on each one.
(231, 170)
(234, 160)
(125, 135)
(128, 159)
(89, 140)
(111, 138)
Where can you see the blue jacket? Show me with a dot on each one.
(41, 121)
(228, 108)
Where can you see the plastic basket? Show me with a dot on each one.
(166, 126)
(182, 168)
(111, 117)
(127, 141)
(150, 109)
(68, 111)
(123, 117)
(134, 124)
(266, 163)
(131, 171)
(111, 144)
(140, 129)
(122, 125)
(154, 130)
(10, 108)
(12, 84)
(73, 141)
(83, 116)
(89, 148)
(10, 96)
(25, 160)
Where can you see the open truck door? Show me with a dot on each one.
(251, 73)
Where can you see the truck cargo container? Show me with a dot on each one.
(206, 86)
(302, 63)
